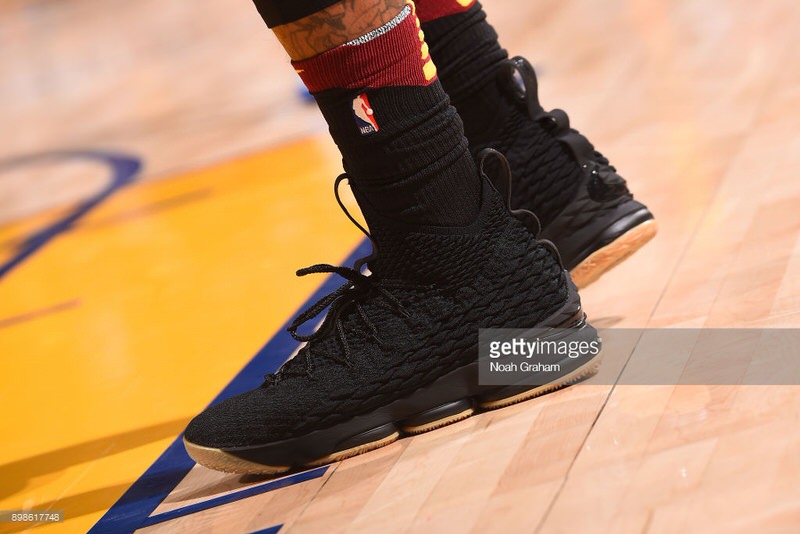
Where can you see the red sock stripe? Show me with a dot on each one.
(428, 10)
(397, 57)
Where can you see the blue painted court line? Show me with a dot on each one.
(124, 169)
(236, 496)
(135, 506)
(270, 530)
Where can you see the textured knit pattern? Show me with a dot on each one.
(546, 176)
(493, 275)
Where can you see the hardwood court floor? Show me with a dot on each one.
(118, 329)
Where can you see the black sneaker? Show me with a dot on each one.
(597, 224)
(397, 351)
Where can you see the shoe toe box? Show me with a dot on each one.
(249, 419)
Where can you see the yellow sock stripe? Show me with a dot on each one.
(428, 68)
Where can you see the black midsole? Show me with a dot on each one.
(417, 408)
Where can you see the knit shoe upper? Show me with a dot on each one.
(413, 319)
(581, 200)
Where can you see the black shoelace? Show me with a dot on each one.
(352, 293)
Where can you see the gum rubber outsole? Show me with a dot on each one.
(444, 421)
(355, 451)
(220, 460)
(608, 257)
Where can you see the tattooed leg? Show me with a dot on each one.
(334, 26)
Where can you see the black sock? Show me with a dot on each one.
(417, 167)
(468, 55)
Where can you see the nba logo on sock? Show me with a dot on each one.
(365, 117)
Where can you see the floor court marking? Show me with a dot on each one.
(249, 491)
(29, 316)
(148, 209)
(124, 169)
(133, 509)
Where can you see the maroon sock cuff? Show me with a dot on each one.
(428, 10)
(394, 57)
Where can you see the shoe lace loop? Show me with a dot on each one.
(356, 287)
(357, 284)
(528, 218)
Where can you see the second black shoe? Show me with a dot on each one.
(585, 207)
(397, 352)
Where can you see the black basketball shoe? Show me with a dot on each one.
(584, 206)
(397, 352)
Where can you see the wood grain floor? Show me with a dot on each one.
(697, 102)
